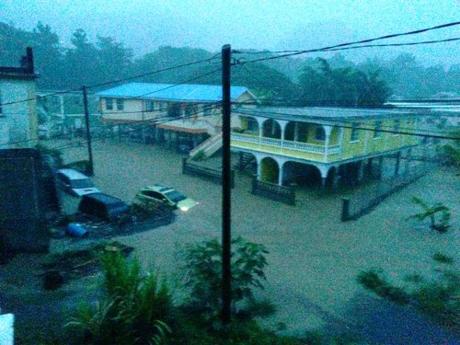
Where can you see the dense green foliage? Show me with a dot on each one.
(134, 310)
(298, 81)
(341, 86)
(437, 298)
(203, 266)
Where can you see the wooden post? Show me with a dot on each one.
(226, 187)
(345, 210)
(88, 132)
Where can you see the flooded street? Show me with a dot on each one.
(314, 258)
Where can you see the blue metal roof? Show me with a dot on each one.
(184, 92)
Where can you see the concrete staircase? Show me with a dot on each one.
(207, 147)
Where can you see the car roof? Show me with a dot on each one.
(104, 198)
(158, 188)
(73, 174)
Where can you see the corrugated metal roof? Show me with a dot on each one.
(326, 113)
(184, 92)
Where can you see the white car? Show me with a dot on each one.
(75, 183)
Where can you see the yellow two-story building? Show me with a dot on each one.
(331, 143)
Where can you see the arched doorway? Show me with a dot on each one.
(271, 129)
(269, 170)
(301, 174)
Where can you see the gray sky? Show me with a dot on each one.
(282, 24)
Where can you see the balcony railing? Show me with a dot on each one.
(286, 144)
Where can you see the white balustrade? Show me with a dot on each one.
(285, 144)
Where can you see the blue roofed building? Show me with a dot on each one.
(178, 114)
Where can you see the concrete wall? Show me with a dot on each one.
(21, 116)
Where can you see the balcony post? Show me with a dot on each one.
(260, 123)
(327, 132)
(283, 125)
(296, 131)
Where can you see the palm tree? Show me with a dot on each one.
(439, 224)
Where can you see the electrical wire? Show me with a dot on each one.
(115, 80)
(143, 124)
(326, 48)
(342, 125)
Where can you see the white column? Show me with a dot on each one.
(259, 165)
(296, 131)
(283, 125)
(280, 174)
(327, 132)
(260, 123)
(323, 170)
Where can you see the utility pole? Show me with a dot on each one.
(226, 188)
(88, 132)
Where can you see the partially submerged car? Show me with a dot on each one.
(74, 182)
(103, 206)
(162, 195)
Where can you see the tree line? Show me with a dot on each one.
(298, 82)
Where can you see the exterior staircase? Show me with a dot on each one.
(208, 147)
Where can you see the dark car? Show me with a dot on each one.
(103, 206)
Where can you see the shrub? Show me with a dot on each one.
(135, 308)
(443, 259)
(438, 299)
(203, 265)
(373, 280)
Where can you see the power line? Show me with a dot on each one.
(341, 125)
(115, 80)
(147, 122)
(142, 125)
(326, 48)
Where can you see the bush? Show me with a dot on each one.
(438, 299)
(443, 259)
(135, 308)
(203, 265)
(373, 281)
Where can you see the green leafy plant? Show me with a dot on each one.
(443, 259)
(438, 298)
(438, 214)
(373, 280)
(134, 310)
(203, 264)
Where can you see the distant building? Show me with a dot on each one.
(18, 118)
(185, 113)
(325, 144)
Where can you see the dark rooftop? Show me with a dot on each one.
(327, 113)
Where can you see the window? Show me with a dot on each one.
(320, 134)
(120, 104)
(109, 103)
(163, 106)
(378, 128)
(396, 126)
(354, 131)
(149, 105)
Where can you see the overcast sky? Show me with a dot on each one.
(271, 24)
